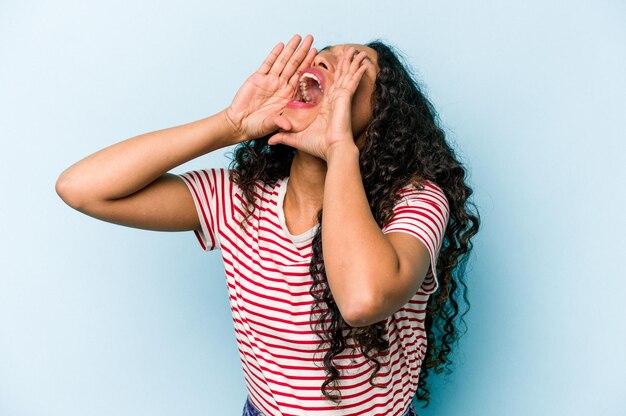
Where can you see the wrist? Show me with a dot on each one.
(232, 130)
(342, 149)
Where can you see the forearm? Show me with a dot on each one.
(128, 166)
(356, 252)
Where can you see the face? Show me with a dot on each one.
(326, 61)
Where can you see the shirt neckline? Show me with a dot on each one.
(299, 238)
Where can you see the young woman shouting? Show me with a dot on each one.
(334, 314)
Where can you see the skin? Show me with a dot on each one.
(129, 183)
(386, 268)
(305, 189)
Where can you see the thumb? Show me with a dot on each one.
(282, 137)
(277, 122)
(282, 122)
(273, 123)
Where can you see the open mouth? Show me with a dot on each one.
(309, 92)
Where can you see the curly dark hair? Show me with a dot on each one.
(403, 144)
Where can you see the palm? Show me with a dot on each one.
(255, 110)
(313, 139)
(332, 126)
(258, 100)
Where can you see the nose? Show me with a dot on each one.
(324, 61)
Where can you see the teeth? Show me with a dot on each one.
(305, 95)
(309, 75)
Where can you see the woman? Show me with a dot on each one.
(348, 330)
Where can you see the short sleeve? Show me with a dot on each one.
(208, 188)
(423, 214)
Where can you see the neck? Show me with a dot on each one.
(305, 189)
(307, 175)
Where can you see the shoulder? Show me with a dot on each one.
(262, 192)
(424, 190)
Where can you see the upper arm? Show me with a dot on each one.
(413, 263)
(399, 280)
(416, 233)
(164, 205)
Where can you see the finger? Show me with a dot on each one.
(356, 78)
(276, 122)
(305, 64)
(297, 57)
(357, 60)
(283, 58)
(346, 59)
(275, 139)
(350, 82)
(281, 138)
(356, 67)
(269, 61)
(344, 67)
(282, 122)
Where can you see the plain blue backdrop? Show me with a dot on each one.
(98, 319)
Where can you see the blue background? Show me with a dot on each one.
(99, 319)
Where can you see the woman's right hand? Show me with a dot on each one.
(255, 110)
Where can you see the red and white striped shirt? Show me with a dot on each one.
(268, 279)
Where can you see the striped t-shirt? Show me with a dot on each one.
(268, 279)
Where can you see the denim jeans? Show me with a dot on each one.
(250, 409)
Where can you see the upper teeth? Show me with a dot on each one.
(309, 75)
(305, 95)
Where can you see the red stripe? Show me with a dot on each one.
(400, 338)
(204, 216)
(268, 284)
(386, 364)
(211, 180)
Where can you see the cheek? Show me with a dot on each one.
(361, 109)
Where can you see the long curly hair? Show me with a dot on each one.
(403, 144)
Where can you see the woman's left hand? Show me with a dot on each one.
(332, 126)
